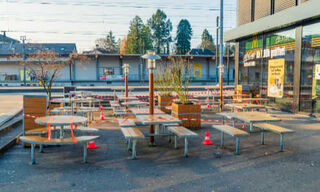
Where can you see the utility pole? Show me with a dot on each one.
(217, 47)
(23, 39)
(221, 55)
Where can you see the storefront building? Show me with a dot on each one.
(278, 55)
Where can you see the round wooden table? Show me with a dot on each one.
(60, 120)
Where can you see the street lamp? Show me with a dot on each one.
(126, 73)
(151, 57)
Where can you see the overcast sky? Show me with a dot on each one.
(83, 21)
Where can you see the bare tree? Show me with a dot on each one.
(47, 65)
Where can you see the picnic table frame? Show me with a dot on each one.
(249, 117)
(61, 121)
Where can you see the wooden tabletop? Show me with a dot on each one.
(251, 117)
(127, 98)
(157, 119)
(145, 111)
(134, 103)
(245, 106)
(60, 120)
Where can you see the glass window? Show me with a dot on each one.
(310, 69)
(108, 71)
(255, 55)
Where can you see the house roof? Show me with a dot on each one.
(4, 38)
(201, 52)
(29, 48)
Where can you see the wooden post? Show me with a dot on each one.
(151, 103)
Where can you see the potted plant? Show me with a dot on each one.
(163, 85)
(183, 107)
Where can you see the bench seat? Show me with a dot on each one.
(131, 122)
(132, 134)
(275, 129)
(182, 132)
(33, 140)
(38, 131)
(234, 132)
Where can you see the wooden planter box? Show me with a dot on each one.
(188, 111)
(163, 102)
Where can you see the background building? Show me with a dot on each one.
(278, 51)
(105, 68)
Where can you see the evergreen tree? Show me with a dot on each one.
(108, 43)
(183, 38)
(207, 41)
(139, 37)
(161, 28)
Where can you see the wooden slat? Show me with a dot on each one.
(182, 131)
(273, 128)
(132, 133)
(230, 130)
(127, 123)
(64, 141)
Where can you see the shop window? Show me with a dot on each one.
(108, 71)
(310, 69)
(271, 53)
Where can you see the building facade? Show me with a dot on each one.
(103, 68)
(278, 51)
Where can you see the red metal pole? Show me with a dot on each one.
(151, 103)
(221, 91)
(126, 87)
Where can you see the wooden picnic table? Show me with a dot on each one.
(61, 121)
(145, 111)
(134, 103)
(130, 98)
(157, 119)
(84, 110)
(244, 106)
(249, 117)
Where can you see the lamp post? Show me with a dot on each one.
(151, 58)
(221, 67)
(126, 73)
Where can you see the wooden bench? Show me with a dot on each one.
(182, 132)
(132, 134)
(33, 140)
(234, 132)
(275, 129)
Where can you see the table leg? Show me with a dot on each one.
(281, 142)
(33, 160)
(237, 145)
(222, 137)
(61, 132)
(186, 147)
(85, 152)
(262, 137)
(134, 149)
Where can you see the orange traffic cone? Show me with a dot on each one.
(101, 108)
(92, 144)
(207, 140)
(102, 116)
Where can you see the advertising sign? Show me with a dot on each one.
(28, 77)
(197, 70)
(275, 77)
(239, 91)
(317, 71)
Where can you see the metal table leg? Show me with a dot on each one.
(237, 145)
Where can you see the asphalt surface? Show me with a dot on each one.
(163, 168)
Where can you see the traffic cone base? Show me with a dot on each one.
(207, 140)
(92, 144)
(102, 116)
